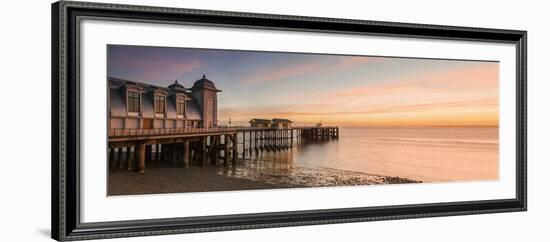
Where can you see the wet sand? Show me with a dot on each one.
(263, 175)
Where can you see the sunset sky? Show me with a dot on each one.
(339, 90)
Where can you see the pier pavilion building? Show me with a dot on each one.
(135, 105)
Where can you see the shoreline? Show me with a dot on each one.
(247, 176)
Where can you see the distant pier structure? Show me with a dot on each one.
(176, 126)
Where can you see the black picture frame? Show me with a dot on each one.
(66, 224)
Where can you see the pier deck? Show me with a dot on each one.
(131, 148)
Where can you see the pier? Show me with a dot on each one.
(134, 148)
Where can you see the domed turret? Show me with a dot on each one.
(205, 92)
(204, 83)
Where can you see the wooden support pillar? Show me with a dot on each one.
(193, 154)
(235, 149)
(291, 138)
(141, 157)
(148, 153)
(163, 153)
(261, 140)
(217, 149)
(256, 141)
(276, 139)
(225, 149)
(112, 157)
(119, 153)
(212, 150)
(186, 154)
(250, 142)
(281, 139)
(166, 153)
(129, 159)
(157, 152)
(174, 153)
(178, 149)
(116, 157)
(203, 151)
(120, 160)
(244, 144)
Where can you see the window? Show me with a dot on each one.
(209, 109)
(133, 102)
(180, 106)
(159, 104)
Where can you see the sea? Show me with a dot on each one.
(427, 154)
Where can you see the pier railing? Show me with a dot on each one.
(168, 131)
(174, 131)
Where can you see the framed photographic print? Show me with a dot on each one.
(169, 120)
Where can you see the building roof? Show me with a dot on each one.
(259, 120)
(192, 110)
(204, 83)
(281, 120)
(177, 87)
(117, 102)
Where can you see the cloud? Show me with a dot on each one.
(449, 84)
(282, 72)
(155, 68)
(289, 70)
(352, 61)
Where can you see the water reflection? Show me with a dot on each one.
(280, 168)
(422, 154)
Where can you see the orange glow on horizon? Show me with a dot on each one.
(459, 97)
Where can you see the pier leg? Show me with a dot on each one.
(250, 143)
(261, 140)
(203, 151)
(163, 153)
(147, 152)
(179, 150)
(234, 149)
(212, 150)
(244, 144)
(119, 153)
(120, 160)
(217, 149)
(112, 157)
(291, 138)
(225, 149)
(129, 159)
(186, 154)
(256, 142)
(174, 152)
(115, 157)
(157, 151)
(168, 158)
(141, 157)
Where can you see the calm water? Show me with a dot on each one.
(426, 154)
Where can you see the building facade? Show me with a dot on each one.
(281, 123)
(135, 105)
